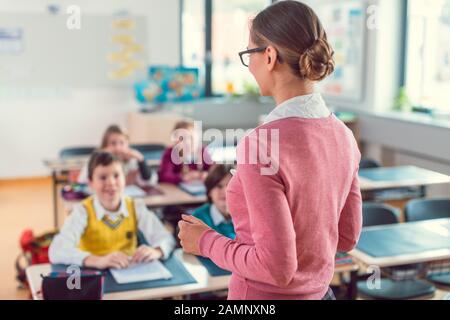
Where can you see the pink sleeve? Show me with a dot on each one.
(350, 222)
(273, 257)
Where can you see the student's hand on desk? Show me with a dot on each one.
(115, 260)
(191, 230)
(146, 254)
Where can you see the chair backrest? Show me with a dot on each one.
(76, 152)
(367, 163)
(427, 209)
(150, 151)
(375, 214)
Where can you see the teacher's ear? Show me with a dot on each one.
(271, 56)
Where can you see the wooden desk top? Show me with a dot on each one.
(438, 227)
(172, 195)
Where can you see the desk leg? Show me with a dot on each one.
(423, 191)
(55, 199)
(352, 290)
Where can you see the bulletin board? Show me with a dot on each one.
(345, 24)
(39, 49)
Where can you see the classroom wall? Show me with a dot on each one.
(35, 123)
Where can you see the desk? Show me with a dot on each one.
(205, 283)
(398, 177)
(172, 196)
(432, 235)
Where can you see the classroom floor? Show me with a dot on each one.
(27, 204)
(24, 204)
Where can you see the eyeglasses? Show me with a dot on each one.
(245, 55)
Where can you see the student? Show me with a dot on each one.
(102, 231)
(294, 208)
(215, 213)
(187, 160)
(116, 142)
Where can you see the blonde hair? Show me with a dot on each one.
(113, 129)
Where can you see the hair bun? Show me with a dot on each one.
(317, 62)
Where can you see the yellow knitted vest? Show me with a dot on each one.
(101, 237)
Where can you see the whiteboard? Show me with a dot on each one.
(345, 24)
(52, 54)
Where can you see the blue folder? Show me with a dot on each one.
(213, 269)
(180, 276)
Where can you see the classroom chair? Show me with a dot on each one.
(75, 152)
(150, 151)
(429, 209)
(376, 214)
(398, 289)
(367, 163)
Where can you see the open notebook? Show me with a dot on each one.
(153, 270)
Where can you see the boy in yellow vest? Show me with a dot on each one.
(101, 232)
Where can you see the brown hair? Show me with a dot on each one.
(215, 174)
(113, 129)
(100, 158)
(183, 124)
(295, 31)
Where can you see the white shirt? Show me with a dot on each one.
(311, 106)
(216, 216)
(64, 248)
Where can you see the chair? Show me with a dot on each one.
(429, 209)
(367, 163)
(380, 214)
(375, 214)
(75, 152)
(150, 151)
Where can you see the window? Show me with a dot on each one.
(213, 32)
(428, 54)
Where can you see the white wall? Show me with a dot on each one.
(36, 123)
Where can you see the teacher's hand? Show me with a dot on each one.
(191, 230)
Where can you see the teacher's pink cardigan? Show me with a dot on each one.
(290, 224)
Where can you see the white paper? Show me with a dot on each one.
(134, 191)
(154, 270)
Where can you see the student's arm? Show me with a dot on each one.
(144, 170)
(273, 257)
(153, 230)
(350, 222)
(168, 170)
(64, 247)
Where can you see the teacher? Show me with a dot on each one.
(294, 208)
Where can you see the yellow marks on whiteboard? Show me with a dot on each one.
(123, 39)
(125, 61)
(126, 24)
